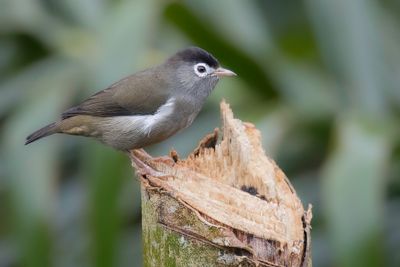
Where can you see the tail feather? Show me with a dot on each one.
(43, 132)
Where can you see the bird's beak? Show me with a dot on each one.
(221, 72)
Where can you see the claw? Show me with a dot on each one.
(142, 169)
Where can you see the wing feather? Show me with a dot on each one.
(139, 94)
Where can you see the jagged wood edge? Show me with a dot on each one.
(209, 141)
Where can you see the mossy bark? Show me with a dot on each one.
(227, 204)
(164, 246)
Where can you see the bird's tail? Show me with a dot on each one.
(52, 128)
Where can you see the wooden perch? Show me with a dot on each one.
(227, 204)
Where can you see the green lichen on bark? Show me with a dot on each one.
(165, 247)
(226, 204)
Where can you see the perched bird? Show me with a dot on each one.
(146, 107)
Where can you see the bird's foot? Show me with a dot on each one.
(142, 169)
(165, 160)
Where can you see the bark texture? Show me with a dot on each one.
(227, 204)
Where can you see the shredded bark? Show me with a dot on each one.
(231, 195)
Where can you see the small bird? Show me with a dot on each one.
(146, 107)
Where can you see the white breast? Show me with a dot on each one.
(162, 113)
(126, 132)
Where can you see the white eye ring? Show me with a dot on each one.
(201, 69)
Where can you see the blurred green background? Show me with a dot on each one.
(320, 78)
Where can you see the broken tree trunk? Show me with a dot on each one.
(227, 204)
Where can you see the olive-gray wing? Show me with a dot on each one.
(138, 94)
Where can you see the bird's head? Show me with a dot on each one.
(196, 70)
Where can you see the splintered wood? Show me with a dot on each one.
(238, 200)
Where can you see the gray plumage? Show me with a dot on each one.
(146, 107)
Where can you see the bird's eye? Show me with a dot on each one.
(201, 69)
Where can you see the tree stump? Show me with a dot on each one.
(227, 204)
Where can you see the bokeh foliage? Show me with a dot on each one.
(320, 78)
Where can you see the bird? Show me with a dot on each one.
(144, 108)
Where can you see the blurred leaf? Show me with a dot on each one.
(31, 16)
(274, 128)
(309, 90)
(392, 233)
(26, 82)
(28, 51)
(87, 14)
(305, 140)
(353, 191)
(298, 43)
(241, 22)
(107, 171)
(32, 170)
(16, 14)
(389, 24)
(131, 247)
(351, 46)
(122, 40)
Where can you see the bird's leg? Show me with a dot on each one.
(142, 151)
(143, 169)
(165, 159)
(170, 160)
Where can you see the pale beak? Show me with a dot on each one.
(221, 72)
